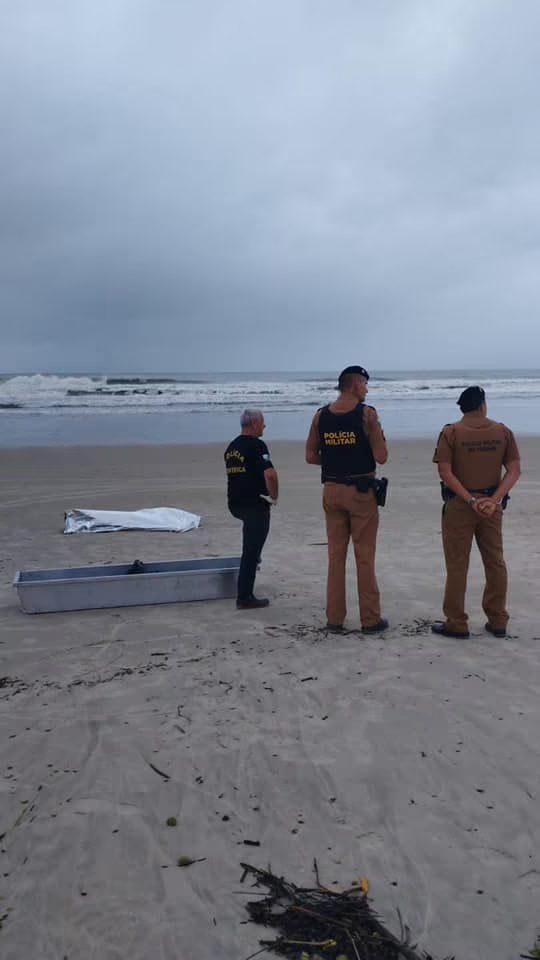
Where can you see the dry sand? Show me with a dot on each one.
(411, 759)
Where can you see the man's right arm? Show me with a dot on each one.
(512, 468)
(511, 477)
(313, 442)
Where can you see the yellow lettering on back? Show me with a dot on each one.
(339, 438)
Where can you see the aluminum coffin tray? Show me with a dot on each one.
(111, 585)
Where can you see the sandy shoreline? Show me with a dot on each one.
(410, 759)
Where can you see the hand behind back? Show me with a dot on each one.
(486, 506)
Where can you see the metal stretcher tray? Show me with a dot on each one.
(126, 584)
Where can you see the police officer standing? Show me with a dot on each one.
(347, 441)
(470, 455)
(252, 487)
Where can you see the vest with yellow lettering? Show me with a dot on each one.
(344, 448)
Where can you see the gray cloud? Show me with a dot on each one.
(258, 186)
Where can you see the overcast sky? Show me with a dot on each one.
(190, 185)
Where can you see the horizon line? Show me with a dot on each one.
(137, 372)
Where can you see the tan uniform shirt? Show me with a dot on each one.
(476, 448)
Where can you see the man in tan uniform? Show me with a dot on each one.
(470, 455)
(346, 440)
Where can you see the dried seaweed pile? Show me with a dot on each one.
(322, 924)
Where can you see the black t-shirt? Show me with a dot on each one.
(246, 459)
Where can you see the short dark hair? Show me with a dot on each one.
(471, 399)
(347, 375)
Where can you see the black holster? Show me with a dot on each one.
(379, 485)
(446, 493)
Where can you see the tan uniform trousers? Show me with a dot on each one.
(351, 515)
(459, 525)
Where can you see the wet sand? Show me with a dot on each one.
(407, 758)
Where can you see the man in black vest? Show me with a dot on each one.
(347, 441)
(252, 487)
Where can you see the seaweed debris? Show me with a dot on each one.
(318, 923)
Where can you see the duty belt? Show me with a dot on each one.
(351, 481)
(363, 484)
(448, 494)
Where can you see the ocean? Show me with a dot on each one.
(68, 409)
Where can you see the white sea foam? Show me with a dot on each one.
(274, 392)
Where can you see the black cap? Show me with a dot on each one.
(351, 371)
(471, 399)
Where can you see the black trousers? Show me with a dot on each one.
(256, 524)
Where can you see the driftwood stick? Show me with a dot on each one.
(257, 952)
(165, 776)
(354, 947)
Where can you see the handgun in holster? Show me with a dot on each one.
(378, 484)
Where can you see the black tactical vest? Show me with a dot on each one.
(344, 448)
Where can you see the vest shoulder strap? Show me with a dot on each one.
(360, 410)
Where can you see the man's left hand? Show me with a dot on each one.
(487, 506)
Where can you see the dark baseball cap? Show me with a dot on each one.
(471, 399)
(351, 371)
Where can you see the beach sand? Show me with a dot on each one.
(411, 759)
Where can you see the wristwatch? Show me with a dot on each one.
(470, 501)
